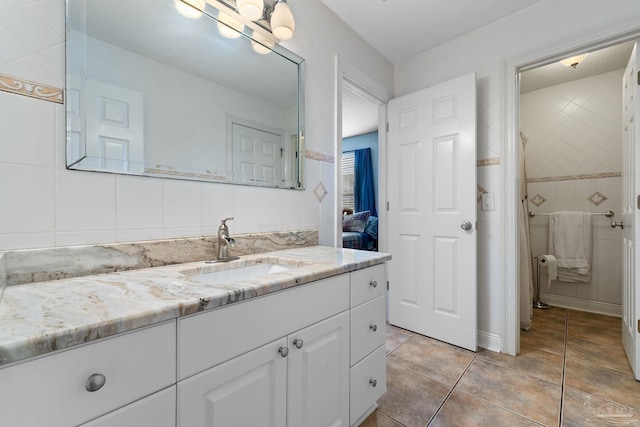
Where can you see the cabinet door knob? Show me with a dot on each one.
(95, 382)
(284, 351)
(373, 382)
(373, 327)
(298, 343)
(373, 284)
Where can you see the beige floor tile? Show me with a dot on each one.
(593, 332)
(580, 409)
(377, 419)
(537, 363)
(438, 360)
(411, 398)
(588, 378)
(601, 320)
(545, 322)
(605, 355)
(556, 312)
(543, 340)
(396, 337)
(530, 397)
(465, 410)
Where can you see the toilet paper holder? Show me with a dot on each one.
(537, 303)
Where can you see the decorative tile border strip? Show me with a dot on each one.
(494, 161)
(31, 89)
(576, 177)
(314, 155)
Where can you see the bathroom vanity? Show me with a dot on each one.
(298, 345)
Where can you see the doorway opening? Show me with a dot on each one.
(565, 160)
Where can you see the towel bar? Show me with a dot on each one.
(608, 214)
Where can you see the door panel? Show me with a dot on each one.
(432, 184)
(630, 211)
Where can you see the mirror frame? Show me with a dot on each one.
(211, 12)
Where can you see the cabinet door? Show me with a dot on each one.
(319, 374)
(247, 391)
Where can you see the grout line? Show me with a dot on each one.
(435, 414)
(564, 367)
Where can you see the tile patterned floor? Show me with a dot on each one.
(571, 363)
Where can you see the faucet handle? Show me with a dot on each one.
(227, 219)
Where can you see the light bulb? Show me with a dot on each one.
(190, 8)
(229, 27)
(573, 61)
(260, 43)
(282, 23)
(250, 9)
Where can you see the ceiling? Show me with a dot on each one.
(400, 29)
(388, 24)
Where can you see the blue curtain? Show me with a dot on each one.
(365, 196)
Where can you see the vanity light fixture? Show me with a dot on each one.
(228, 26)
(573, 61)
(260, 43)
(190, 8)
(250, 9)
(282, 22)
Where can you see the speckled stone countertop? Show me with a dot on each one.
(38, 318)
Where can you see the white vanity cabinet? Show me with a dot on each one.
(71, 387)
(300, 378)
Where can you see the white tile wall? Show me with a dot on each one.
(574, 128)
(45, 205)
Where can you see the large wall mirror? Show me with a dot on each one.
(152, 92)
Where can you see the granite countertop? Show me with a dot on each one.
(38, 318)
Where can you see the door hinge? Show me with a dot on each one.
(387, 126)
(388, 204)
(639, 326)
(638, 84)
(388, 289)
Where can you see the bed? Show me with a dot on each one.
(360, 231)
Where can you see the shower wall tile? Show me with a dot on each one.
(574, 128)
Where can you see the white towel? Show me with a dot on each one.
(570, 243)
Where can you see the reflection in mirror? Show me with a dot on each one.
(153, 92)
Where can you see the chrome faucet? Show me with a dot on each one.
(224, 241)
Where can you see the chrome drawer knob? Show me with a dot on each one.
(373, 327)
(298, 343)
(95, 382)
(373, 382)
(373, 284)
(284, 351)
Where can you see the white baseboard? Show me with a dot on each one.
(582, 304)
(489, 341)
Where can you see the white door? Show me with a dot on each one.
(631, 211)
(319, 374)
(432, 212)
(257, 155)
(115, 129)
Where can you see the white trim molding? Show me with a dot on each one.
(489, 341)
(572, 303)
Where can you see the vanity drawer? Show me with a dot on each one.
(368, 328)
(368, 283)
(368, 383)
(134, 365)
(210, 338)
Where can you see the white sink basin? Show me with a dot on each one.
(239, 273)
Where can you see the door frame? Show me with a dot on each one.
(348, 75)
(510, 150)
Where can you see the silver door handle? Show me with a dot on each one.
(466, 225)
